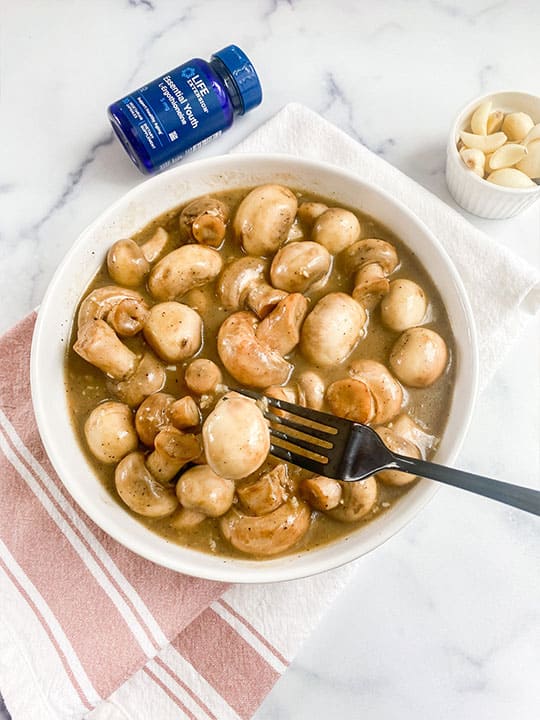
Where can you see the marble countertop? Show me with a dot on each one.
(444, 620)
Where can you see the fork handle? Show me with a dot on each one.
(520, 497)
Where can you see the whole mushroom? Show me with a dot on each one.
(203, 376)
(419, 357)
(336, 229)
(300, 266)
(140, 490)
(332, 329)
(321, 493)
(98, 344)
(205, 221)
(268, 534)
(109, 432)
(372, 260)
(404, 306)
(172, 450)
(235, 436)
(242, 284)
(174, 331)
(183, 269)
(124, 309)
(248, 359)
(126, 263)
(200, 489)
(263, 219)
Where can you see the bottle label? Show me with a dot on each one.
(174, 113)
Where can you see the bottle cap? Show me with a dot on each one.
(243, 75)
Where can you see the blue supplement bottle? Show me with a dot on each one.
(184, 109)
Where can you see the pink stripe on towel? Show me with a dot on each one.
(237, 671)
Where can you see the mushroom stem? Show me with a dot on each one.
(98, 344)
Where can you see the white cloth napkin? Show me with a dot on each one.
(274, 619)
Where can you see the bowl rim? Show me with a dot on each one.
(247, 571)
(454, 152)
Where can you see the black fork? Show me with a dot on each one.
(349, 451)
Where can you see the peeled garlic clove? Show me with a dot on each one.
(495, 121)
(530, 164)
(533, 134)
(485, 143)
(510, 177)
(507, 155)
(479, 119)
(516, 125)
(487, 168)
(474, 159)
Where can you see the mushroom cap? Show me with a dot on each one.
(351, 399)
(174, 331)
(199, 488)
(404, 306)
(109, 432)
(321, 493)
(332, 329)
(236, 437)
(370, 285)
(265, 493)
(336, 229)
(310, 389)
(419, 357)
(264, 217)
(202, 376)
(297, 266)
(308, 212)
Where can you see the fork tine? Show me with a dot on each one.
(315, 449)
(306, 429)
(315, 415)
(295, 459)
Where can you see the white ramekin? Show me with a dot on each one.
(473, 193)
(131, 213)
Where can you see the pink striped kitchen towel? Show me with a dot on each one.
(90, 630)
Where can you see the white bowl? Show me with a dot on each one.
(468, 189)
(134, 211)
